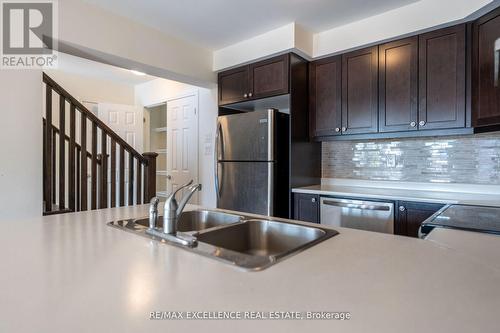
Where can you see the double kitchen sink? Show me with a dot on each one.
(246, 242)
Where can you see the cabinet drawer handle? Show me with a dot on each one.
(337, 129)
(250, 94)
(421, 123)
(313, 199)
(344, 129)
(402, 208)
(245, 95)
(413, 124)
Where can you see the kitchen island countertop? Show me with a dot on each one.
(74, 273)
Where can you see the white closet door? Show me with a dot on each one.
(127, 122)
(182, 142)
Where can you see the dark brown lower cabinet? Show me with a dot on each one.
(409, 216)
(306, 207)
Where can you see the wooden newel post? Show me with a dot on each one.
(150, 176)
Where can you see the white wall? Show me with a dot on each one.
(414, 17)
(160, 90)
(290, 37)
(93, 89)
(20, 144)
(271, 42)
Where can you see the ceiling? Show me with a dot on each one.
(88, 68)
(214, 24)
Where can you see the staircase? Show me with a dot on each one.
(86, 165)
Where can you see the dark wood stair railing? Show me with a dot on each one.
(66, 161)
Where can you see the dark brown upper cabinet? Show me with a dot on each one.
(258, 80)
(233, 85)
(269, 77)
(398, 85)
(360, 91)
(486, 70)
(442, 66)
(325, 90)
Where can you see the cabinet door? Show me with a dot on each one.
(360, 91)
(306, 207)
(442, 78)
(233, 85)
(325, 90)
(398, 85)
(410, 216)
(269, 77)
(486, 70)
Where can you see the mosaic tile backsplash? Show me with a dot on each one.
(472, 159)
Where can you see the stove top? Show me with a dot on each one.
(473, 218)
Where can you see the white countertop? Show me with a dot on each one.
(409, 193)
(478, 246)
(73, 273)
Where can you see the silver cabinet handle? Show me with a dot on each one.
(344, 129)
(413, 124)
(313, 199)
(337, 129)
(421, 123)
(356, 206)
(245, 95)
(402, 208)
(250, 94)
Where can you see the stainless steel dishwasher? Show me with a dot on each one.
(358, 214)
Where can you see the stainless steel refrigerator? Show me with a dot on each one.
(249, 154)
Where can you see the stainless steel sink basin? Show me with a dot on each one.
(262, 237)
(248, 243)
(197, 220)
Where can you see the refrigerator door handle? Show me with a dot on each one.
(216, 159)
(271, 123)
(270, 189)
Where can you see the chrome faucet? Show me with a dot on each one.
(173, 210)
(171, 213)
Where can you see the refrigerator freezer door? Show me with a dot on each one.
(246, 136)
(246, 187)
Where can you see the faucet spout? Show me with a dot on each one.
(187, 196)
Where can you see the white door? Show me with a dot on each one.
(127, 122)
(182, 142)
